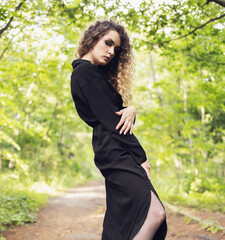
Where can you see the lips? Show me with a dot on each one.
(107, 58)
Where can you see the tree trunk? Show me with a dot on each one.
(185, 111)
(11, 19)
(154, 79)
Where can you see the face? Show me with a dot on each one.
(105, 49)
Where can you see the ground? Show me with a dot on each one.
(78, 215)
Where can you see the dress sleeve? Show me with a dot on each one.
(95, 90)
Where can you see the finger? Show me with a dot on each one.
(127, 129)
(119, 112)
(131, 129)
(120, 123)
(124, 127)
(147, 172)
(143, 164)
(148, 175)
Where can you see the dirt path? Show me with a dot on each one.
(78, 215)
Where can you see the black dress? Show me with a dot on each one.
(118, 157)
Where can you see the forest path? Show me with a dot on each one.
(79, 213)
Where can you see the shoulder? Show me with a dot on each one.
(84, 65)
(85, 69)
(85, 72)
(81, 72)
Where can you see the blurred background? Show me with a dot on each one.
(178, 93)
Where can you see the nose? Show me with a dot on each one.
(111, 51)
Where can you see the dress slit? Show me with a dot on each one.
(128, 193)
(137, 228)
(162, 230)
(144, 232)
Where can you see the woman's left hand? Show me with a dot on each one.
(147, 168)
(128, 115)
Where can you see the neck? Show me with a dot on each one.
(89, 58)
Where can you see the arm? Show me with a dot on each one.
(95, 90)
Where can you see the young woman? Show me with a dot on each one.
(100, 85)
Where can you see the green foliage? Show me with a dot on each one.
(179, 97)
(17, 206)
(208, 224)
(11, 203)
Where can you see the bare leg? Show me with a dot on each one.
(156, 215)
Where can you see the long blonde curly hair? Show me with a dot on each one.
(120, 69)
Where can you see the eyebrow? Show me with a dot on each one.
(113, 42)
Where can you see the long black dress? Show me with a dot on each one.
(118, 157)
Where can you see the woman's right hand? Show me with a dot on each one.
(127, 119)
(146, 167)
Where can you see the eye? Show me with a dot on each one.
(108, 43)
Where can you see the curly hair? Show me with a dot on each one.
(119, 70)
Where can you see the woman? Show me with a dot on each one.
(102, 70)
